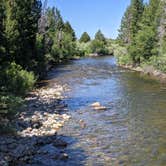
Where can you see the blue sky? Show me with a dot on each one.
(91, 15)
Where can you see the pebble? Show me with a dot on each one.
(37, 127)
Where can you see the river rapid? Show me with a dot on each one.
(132, 131)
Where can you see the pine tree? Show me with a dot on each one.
(124, 31)
(59, 23)
(130, 21)
(51, 19)
(85, 38)
(68, 29)
(21, 27)
(137, 8)
(162, 28)
(144, 44)
(60, 39)
(2, 37)
(100, 36)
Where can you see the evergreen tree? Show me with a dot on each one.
(60, 40)
(51, 19)
(2, 37)
(100, 36)
(130, 23)
(162, 28)
(21, 27)
(68, 29)
(124, 31)
(59, 23)
(137, 8)
(144, 44)
(98, 45)
(85, 38)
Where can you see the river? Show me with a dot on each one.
(132, 131)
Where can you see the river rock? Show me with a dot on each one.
(60, 143)
(3, 161)
(100, 108)
(48, 149)
(96, 104)
(37, 126)
(63, 156)
(82, 123)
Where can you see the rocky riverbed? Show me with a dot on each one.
(36, 141)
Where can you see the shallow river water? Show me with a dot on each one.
(132, 131)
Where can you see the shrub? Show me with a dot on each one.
(99, 47)
(9, 104)
(83, 48)
(16, 80)
(125, 60)
(159, 62)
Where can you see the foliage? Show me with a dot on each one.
(69, 30)
(143, 32)
(130, 21)
(83, 48)
(63, 49)
(143, 45)
(84, 38)
(98, 47)
(99, 44)
(16, 80)
(159, 62)
(9, 104)
(21, 26)
(31, 39)
(100, 36)
(61, 39)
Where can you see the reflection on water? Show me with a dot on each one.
(133, 129)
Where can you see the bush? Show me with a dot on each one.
(83, 48)
(159, 62)
(16, 80)
(99, 47)
(125, 60)
(122, 55)
(9, 104)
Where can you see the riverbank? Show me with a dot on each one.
(35, 140)
(148, 70)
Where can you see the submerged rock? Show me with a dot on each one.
(60, 143)
(100, 108)
(96, 104)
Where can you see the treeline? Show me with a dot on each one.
(100, 45)
(32, 37)
(143, 33)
